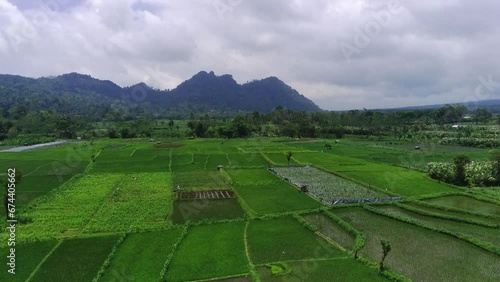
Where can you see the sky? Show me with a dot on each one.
(341, 54)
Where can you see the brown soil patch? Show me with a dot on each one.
(213, 194)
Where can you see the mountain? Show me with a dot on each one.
(491, 105)
(82, 94)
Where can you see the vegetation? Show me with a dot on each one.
(141, 256)
(285, 239)
(324, 186)
(199, 210)
(218, 250)
(112, 209)
(386, 248)
(407, 239)
(80, 259)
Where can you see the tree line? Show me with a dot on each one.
(20, 125)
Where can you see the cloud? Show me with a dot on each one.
(403, 53)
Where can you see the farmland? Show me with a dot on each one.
(233, 210)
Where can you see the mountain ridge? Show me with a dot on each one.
(203, 90)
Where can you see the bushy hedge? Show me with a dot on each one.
(471, 142)
(163, 273)
(441, 171)
(476, 173)
(305, 223)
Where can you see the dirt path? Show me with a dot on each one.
(32, 147)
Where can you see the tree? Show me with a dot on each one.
(289, 157)
(460, 162)
(495, 158)
(386, 248)
(171, 124)
(240, 127)
(482, 115)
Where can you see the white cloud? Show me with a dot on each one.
(428, 52)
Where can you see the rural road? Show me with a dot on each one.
(37, 146)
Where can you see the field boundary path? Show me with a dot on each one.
(32, 147)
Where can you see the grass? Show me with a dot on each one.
(280, 159)
(108, 199)
(76, 260)
(246, 160)
(213, 209)
(43, 170)
(275, 198)
(139, 202)
(156, 165)
(331, 229)
(284, 239)
(216, 250)
(28, 256)
(41, 183)
(467, 203)
(418, 253)
(256, 176)
(70, 209)
(199, 179)
(217, 159)
(266, 193)
(394, 179)
(487, 234)
(346, 269)
(453, 213)
(141, 256)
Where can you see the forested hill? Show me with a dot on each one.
(82, 94)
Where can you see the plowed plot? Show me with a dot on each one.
(324, 186)
(215, 194)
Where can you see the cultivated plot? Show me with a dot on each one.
(419, 253)
(269, 194)
(467, 203)
(325, 186)
(284, 239)
(141, 256)
(210, 251)
(76, 260)
(28, 257)
(203, 209)
(139, 202)
(343, 269)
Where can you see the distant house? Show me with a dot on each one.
(456, 126)
(219, 167)
(304, 188)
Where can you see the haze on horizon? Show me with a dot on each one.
(342, 54)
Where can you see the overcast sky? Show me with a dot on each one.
(342, 54)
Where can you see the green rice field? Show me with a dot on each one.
(213, 210)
